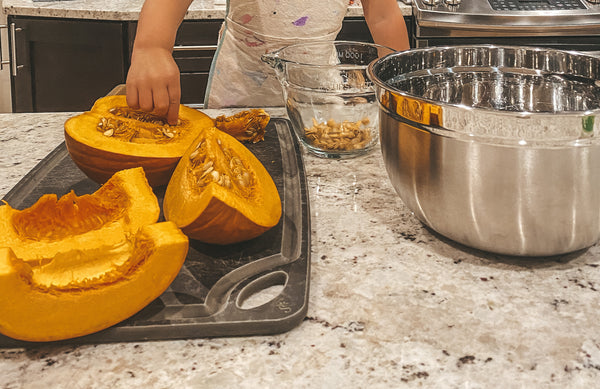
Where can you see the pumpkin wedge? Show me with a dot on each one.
(220, 192)
(79, 291)
(245, 126)
(122, 205)
(112, 137)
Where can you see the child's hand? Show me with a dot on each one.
(153, 83)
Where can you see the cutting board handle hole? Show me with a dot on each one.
(262, 290)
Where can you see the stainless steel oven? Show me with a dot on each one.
(562, 24)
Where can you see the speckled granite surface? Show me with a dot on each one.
(391, 305)
(123, 10)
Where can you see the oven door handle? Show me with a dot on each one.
(195, 48)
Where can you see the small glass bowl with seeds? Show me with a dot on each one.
(337, 130)
(329, 98)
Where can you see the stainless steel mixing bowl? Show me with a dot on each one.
(495, 147)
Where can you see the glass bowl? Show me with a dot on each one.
(329, 98)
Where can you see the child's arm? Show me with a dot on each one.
(153, 78)
(386, 23)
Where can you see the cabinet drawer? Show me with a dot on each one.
(194, 33)
(193, 87)
(195, 43)
(193, 60)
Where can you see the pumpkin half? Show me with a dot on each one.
(80, 291)
(122, 205)
(112, 137)
(220, 192)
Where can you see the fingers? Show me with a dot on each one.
(166, 101)
(160, 100)
(131, 95)
(174, 99)
(146, 99)
(139, 94)
(163, 102)
(153, 84)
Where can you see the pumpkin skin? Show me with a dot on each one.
(220, 193)
(122, 205)
(79, 264)
(39, 303)
(113, 137)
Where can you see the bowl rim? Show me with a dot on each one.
(277, 53)
(377, 81)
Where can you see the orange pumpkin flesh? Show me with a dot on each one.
(124, 203)
(81, 291)
(113, 137)
(220, 193)
(76, 265)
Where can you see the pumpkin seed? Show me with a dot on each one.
(194, 154)
(226, 182)
(331, 135)
(207, 172)
(207, 165)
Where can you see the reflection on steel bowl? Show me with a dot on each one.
(495, 147)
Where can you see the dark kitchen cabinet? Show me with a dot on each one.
(356, 29)
(65, 65)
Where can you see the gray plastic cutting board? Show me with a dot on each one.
(207, 297)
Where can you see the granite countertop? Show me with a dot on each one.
(391, 303)
(124, 10)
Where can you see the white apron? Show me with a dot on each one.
(238, 77)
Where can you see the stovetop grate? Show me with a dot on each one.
(534, 5)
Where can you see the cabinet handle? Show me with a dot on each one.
(13, 52)
(2, 61)
(195, 48)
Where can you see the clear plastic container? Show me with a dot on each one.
(329, 98)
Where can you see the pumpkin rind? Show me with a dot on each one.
(35, 309)
(212, 209)
(112, 137)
